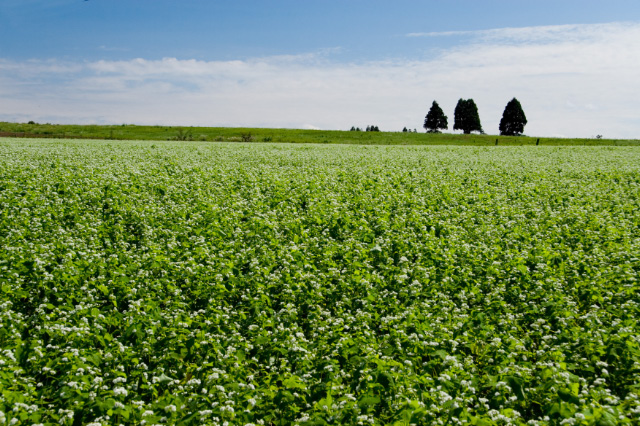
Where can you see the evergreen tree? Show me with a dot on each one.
(435, 119)
(466, 117)
(513, 119)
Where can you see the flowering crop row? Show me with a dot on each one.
(167, 283)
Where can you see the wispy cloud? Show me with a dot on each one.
(540, 34)
(444, 34)
(572, 80)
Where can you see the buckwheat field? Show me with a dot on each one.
(162, 283)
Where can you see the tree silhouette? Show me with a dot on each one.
(435, 119)
(513, 119)
(466, 117)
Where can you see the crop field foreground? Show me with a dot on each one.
(147, 283)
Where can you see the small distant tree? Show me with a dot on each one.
(513, 119)
(435, 119)
(466, 117)
(181, 135)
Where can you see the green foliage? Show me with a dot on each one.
(181, 135)
(466, 117)
(204, 283)
(513, 119)
(435, 119)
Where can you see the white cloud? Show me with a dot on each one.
(541, 34)
(572, 80)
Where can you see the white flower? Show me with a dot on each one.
(120, 391)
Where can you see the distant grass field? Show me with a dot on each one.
(231, 134)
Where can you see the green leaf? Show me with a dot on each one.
(516, 384)
(566, 396)
(163, 378)
(368, 401)
(294, 382)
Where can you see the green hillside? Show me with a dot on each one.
(231, 134)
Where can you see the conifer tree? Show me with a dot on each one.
(466, 117)
(513, 119)
(435, 119)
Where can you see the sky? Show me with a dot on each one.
(323, 64)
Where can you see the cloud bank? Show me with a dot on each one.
(572, 80)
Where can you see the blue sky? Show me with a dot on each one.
(321, 64)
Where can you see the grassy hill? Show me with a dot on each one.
(230, 134)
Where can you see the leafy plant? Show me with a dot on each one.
(308, 284)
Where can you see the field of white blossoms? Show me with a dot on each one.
(148, 283)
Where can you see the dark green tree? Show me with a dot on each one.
(513, 119)
(466, 117)
(435, 119)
